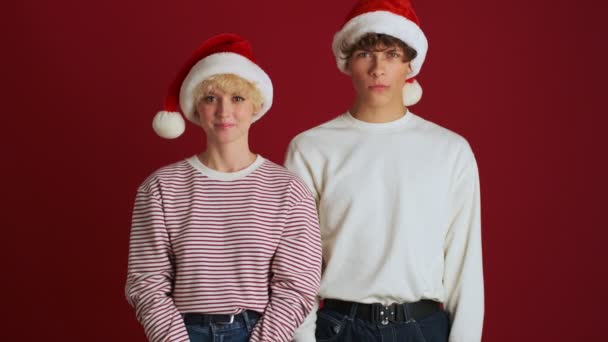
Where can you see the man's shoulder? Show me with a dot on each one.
(323, 131)
(440, 135)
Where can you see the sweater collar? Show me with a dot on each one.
(384, 126)
(225, 176)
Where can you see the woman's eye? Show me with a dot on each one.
(238, 98)
(208, 99)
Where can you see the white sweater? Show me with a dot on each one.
(399, 213)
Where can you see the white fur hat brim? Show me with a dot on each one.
(386, 23)
(224, 63)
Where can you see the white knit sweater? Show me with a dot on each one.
(399, 213)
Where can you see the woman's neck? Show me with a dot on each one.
(231, 157)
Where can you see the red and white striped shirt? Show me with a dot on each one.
(220, 243)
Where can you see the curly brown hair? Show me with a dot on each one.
(378, 42)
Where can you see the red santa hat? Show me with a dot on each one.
(392, 17)
(222, 54)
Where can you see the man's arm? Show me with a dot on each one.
(463, 276)
(301, 167)
(296, 163)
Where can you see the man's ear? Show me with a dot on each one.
(347, 67)
(409, 68)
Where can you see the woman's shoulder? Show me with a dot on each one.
(286, 178)
(174, 172)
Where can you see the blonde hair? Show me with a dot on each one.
(229, 83)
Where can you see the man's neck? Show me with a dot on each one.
(378, 114)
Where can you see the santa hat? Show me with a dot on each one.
(392, 17)
(222, 54)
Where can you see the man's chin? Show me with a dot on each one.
(377, 100)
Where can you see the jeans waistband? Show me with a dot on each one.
(246, 316)
(378, 313)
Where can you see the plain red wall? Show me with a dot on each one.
(521, 80)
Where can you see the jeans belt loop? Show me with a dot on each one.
(408, 311)
(353, 310)
(247, 320)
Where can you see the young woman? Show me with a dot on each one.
(225, 245)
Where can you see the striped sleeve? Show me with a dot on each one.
(150, 272)
(296, 273)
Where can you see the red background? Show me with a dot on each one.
(521, 80)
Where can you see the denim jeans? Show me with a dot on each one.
(237, 331)
(335, 326)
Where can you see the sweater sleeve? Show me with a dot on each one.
(301, 167)
(295, 275)
(296, 163)
(151, 271)
(306, 331)
(463, 275)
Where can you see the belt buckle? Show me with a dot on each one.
(385, 312)
(229, 322)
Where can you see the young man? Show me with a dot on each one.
(397, 196)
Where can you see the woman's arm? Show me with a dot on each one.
(151, 271)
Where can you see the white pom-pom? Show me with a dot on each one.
(412, 93)
(168, 125)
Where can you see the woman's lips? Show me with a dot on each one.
(224, 125)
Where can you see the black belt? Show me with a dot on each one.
(378, 313)
(203, 319)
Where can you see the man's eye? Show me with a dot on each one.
(393, 54)
(362, 54)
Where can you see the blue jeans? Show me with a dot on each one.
(237, 331)
(335, 326)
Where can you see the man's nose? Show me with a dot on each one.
(377, 66)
